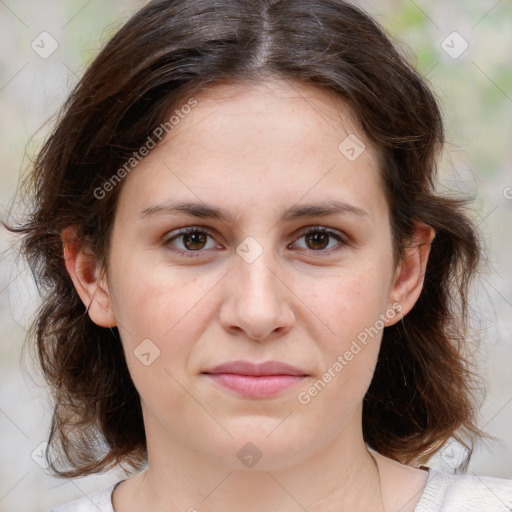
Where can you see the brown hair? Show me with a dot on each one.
(423, 390)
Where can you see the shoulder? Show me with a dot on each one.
(99, 500)
(465, 493)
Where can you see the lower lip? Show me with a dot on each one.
(256, 386)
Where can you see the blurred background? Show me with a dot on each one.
(463, 47)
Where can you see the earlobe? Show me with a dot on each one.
(84, 270)
(410, 274)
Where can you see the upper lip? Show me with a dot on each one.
(248, 368)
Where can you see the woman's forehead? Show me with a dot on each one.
(275, 133)
(307, 107)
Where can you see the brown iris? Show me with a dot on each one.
(321, 240)
(197, 240)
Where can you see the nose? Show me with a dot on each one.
(259, 301)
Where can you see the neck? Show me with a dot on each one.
(342, 476)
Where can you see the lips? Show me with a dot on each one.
(257, 369)
(256, 380)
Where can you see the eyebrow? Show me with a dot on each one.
(205, 211)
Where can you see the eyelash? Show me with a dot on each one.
(209, 233)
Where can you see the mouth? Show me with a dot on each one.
(254, 380)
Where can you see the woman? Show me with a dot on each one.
(254, 296)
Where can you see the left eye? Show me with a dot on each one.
(318, 239)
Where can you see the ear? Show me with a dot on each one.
(84, 270)
(410, 272)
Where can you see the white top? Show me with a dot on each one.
(443, 493)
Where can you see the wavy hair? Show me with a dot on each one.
(424, 389)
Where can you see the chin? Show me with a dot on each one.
(262, 448)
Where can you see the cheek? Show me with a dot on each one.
(349, 302)
(157, 313)
(154, 300)
(352, 305)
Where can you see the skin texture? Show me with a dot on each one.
(255, 150)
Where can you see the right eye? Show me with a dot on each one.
(192, 240)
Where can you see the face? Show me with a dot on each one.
(263, 277)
